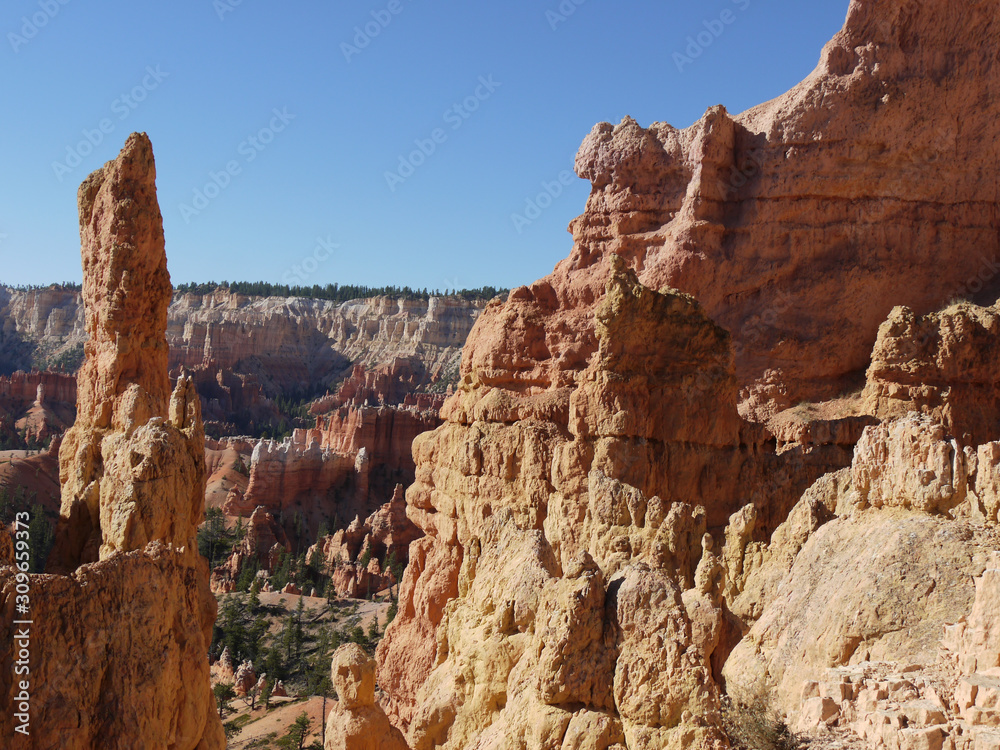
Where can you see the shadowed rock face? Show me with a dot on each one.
(596, 433)
(122, 626)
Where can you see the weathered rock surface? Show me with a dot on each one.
(262, 545)
(129, 598)
(875, 586)
(394, 382)
(847, 605)
(36, 476)
(564, 547)
(798, 224)
(343, 468)
(944, 364)
(242, 351)
(39, 324)
(951, 703)
(596, 433)
(23, 387)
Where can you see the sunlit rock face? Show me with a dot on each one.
(124, 620)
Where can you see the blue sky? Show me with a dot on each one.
(312, 119)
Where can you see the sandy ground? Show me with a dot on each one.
(39, 473)
(282, 715)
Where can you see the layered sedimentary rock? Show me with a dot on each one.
(947, 702)
(341, 469)
(128, 599)
(245, 352)
(538, 504)
(846, 607)
(596, 434)
(39, 405)
(297, 339)
(798, 224)
(50, 387)
(40, 324)
(35, 478)
(394, 382)
(263, 543)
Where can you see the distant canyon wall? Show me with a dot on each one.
(290, 345)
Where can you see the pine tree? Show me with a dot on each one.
(224, 695)
(40, 539)
(265, 693)
(297, 733)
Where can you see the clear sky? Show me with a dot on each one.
(314, 106)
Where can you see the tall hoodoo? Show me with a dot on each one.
(132, 467)
(129, 598)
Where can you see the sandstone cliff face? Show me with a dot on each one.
(128, 599)
(385, 538)
(565, 579)
(341, 469)
(849, 602)
(42, 405)
(263, 543)
(799, 224)
(265, 345)
(23, 387)
(43, 323)
(566, 543)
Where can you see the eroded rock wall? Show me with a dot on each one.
(558, 520)
(597, 435)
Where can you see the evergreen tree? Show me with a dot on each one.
(265, 693)
(297, 733)
(40, 539)
(224, 695)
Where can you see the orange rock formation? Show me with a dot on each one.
(128, 600)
